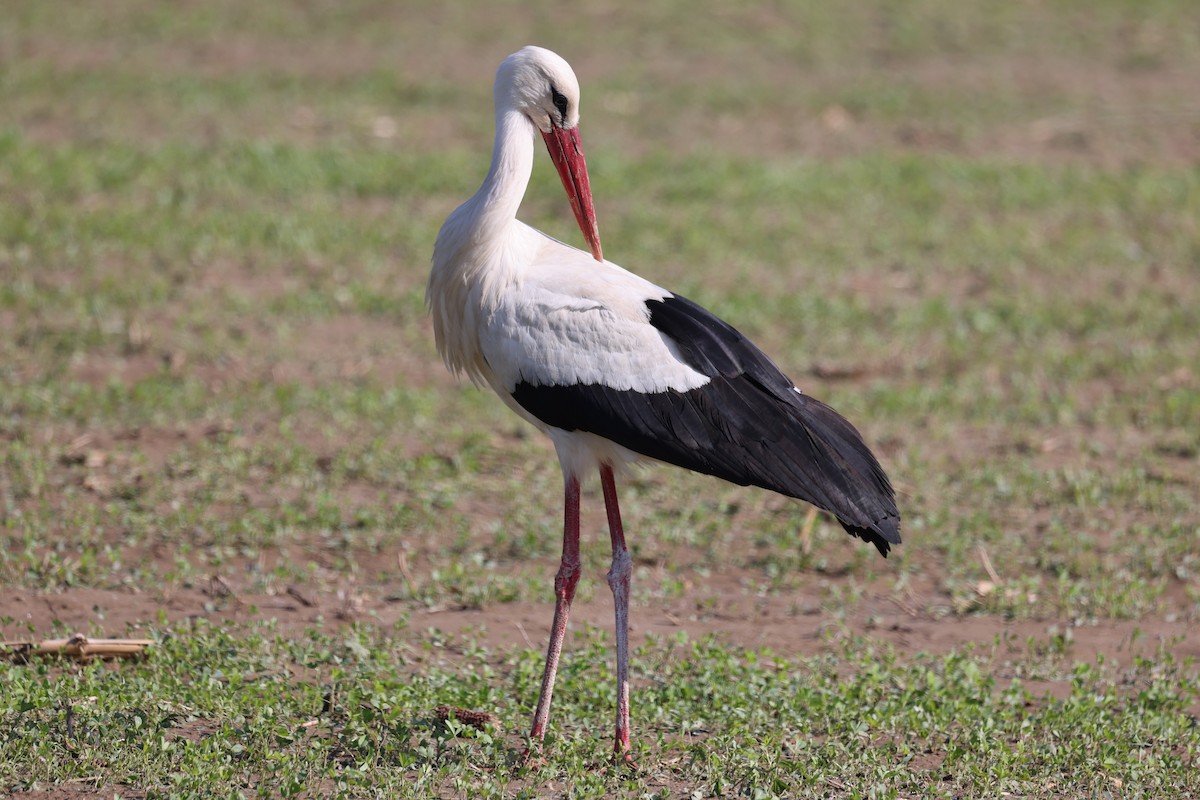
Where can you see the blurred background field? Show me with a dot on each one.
(972, 227)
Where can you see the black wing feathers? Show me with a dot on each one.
(748, 425)
(709, 344)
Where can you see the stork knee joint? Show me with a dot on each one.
(621, 570)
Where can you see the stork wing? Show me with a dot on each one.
(677, 384)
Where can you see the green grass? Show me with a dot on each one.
(1062, 362)
(221, 712)
(973, 228)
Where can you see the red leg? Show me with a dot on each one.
(618, 580)
(564, 592)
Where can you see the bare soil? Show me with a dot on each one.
(795, 624)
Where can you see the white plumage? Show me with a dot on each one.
(537, 334)
(614, 368)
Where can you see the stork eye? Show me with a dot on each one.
(560, 102)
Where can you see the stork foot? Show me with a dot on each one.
(531, 757)
(622, 760)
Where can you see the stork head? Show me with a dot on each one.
(543, 87)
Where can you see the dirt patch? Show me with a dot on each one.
(83, 790)
(1112, 106)
(797, 624)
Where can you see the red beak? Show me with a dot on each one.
(567, 155)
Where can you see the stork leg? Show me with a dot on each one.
(618, 580)
(564, 592)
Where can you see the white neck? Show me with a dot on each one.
(485, 221)
(479, 244)
(504, 187)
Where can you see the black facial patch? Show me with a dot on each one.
(560, 102)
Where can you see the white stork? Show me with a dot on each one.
(614, 368)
